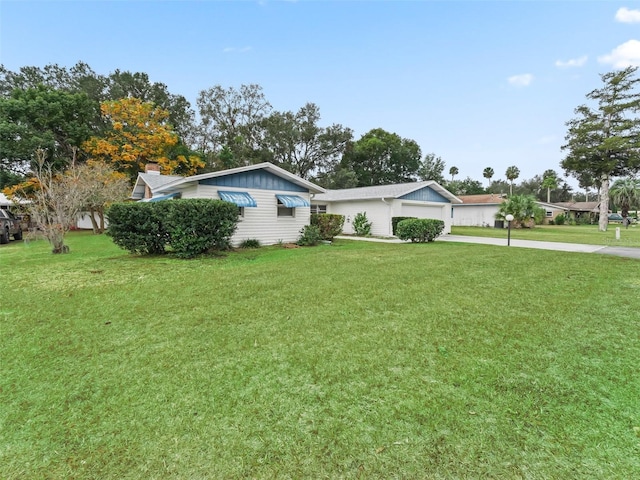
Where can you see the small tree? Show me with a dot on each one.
(625, 193)
(453, 171)
(526, 212)
(550, 181)
(361, 225)
(488, 174)
(54, 200)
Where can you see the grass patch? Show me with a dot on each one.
(585, 234)
(354, 360)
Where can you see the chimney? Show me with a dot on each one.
(153, 168)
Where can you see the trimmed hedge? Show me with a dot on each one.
(329, 224)
(420, 230)
(189, 227)
(395, 221)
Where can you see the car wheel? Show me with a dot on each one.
(18, 236)
(4, 236)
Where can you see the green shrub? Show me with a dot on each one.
(138, 227)
(250, 243)
(420, 229)
(329, 224)
(190, 227)
(309, 236)
(559, 220)
(395, 221)
(197, 225)
(361, 225)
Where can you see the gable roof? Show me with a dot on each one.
(579, 206)
(395, 190)
(181, 182)
(153, 181)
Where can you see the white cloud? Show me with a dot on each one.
(625, 15)
(523, 80)
(574, 62)
(237, 50)
(624, 55)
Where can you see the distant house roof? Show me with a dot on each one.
(396, 190)
(483, 199)
(579, 206)
(153, 181)
(180, 182)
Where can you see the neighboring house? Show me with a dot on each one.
(273, 204)
(477, 210)
(589, 211)
(552, 210)
(381, 203)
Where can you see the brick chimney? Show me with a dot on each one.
(152, 168)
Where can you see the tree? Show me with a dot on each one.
(42, 119)
(550, 181)
(512, 174)
(232, 118)
(524, 208)
(468, 186)
(602, 142)
(382, 158)
(100, 185)
(488, 174)
(54, 199)
(299, 145)
(431, 168)
(138, 134)
(453, 171)
(625, 193)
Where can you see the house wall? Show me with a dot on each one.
(380, 213)
(474, 215)
(261, 222)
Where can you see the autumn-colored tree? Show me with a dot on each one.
(139, 134)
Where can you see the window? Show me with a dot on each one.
(549, 214)
(318, 209)
(284, 211)
(241, 212)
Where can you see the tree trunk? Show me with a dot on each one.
(94, 224)
(604, 203)
(548, 195)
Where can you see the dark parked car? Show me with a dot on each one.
(615, 217)
(9, 226)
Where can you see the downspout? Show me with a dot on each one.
(389, 229)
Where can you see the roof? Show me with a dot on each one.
(267, 166)
(395, 190)
(483, 199)
(580, 206)
(153, 181)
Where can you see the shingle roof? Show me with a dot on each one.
(153, 181)
(382, 191)
(482, 199)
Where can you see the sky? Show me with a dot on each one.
(478, 83)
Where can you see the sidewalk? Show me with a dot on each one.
(628, 252)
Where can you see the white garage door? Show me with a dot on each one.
(420, 211)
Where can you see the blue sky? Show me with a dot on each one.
(478, 83)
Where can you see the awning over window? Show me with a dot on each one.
(241, 199)
(292, 201)
(161, 197)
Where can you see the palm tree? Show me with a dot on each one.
(550, 181)
(453, 171)
(625, 193)
(488, 173)
(524, 208)
(512, 173)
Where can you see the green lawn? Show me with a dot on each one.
(586, 234)
(351, 360)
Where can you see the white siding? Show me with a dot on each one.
(474, 215)
(261, 222)
(378, 213)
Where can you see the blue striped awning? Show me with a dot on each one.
(292, 201)
(161, 197)
(241, 199)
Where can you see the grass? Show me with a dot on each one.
(350, 360)
(585, 234)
